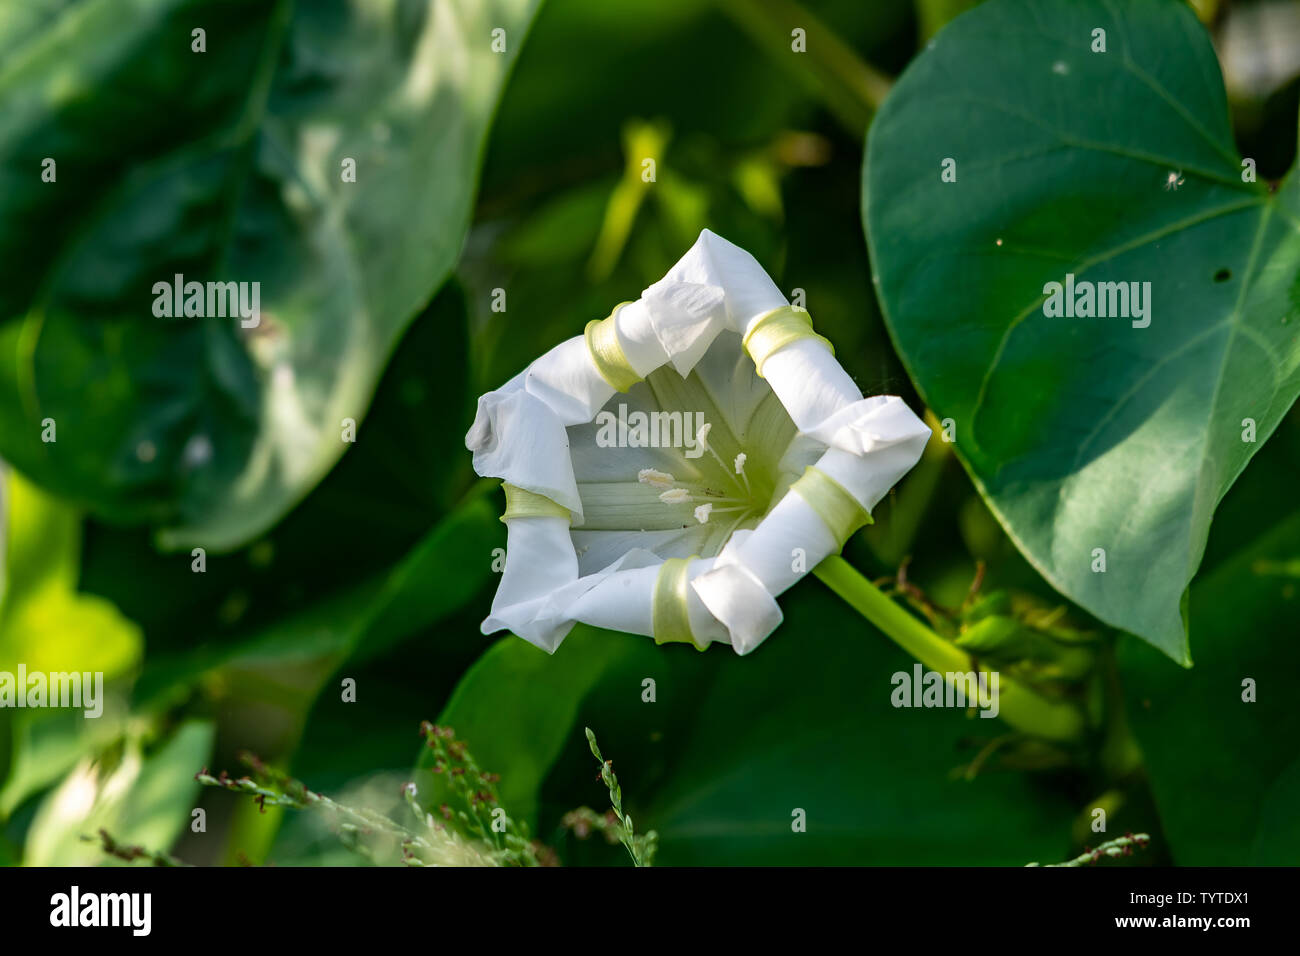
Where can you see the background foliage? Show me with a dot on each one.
(521, 171)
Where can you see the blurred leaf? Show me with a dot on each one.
(559, 230)
(1087, 433)
(46, 746)
(406, 470)
(676, 60)
(551, 168)
(731, 747)
(1224, 771)
(850, 89)
(225, 165)
(44, 623)
(643, 151)
(450, 565)
(61, 631)
(6, 748)
(1277, 839)
(41, 539)
(758, 180)
(141, 798)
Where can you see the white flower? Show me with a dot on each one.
(657, 483)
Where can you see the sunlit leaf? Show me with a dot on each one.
(141, 796)
(229, 164)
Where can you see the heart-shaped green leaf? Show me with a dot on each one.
(327, 151)
(1038, 140)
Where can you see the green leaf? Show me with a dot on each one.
(140, 796)
(406, 471)
(45, 623)
(1087, 433)
(1277, 838)
(516, 709)
(7, 747)
(730, 747)
(225, 165)
(47, 744)
(1224, 770)
(447, 567)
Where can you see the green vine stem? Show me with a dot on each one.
(1021, 707)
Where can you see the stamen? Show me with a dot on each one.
(659, 479)
(703, 512)
(675, 496)
(740, 470)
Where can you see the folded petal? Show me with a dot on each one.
(518, 438)
(749, 290)
(685, 317)
(871, 424)
(740, 602)
(567, 381)
(540, 561)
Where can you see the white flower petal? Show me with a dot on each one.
(540, 561)
(638, 338)
(874, 447)
(684, 338)
(623, 600)
(599, 549)
(686, 318)
(882, 421)
(810, 382)
(714, 261)
(568, 383)
(518, 438)
(789, 542)
(733, 596)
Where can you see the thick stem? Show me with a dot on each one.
(1019, 706)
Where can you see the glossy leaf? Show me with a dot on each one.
(403, 476)
(226, 164)
(1087, 435)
